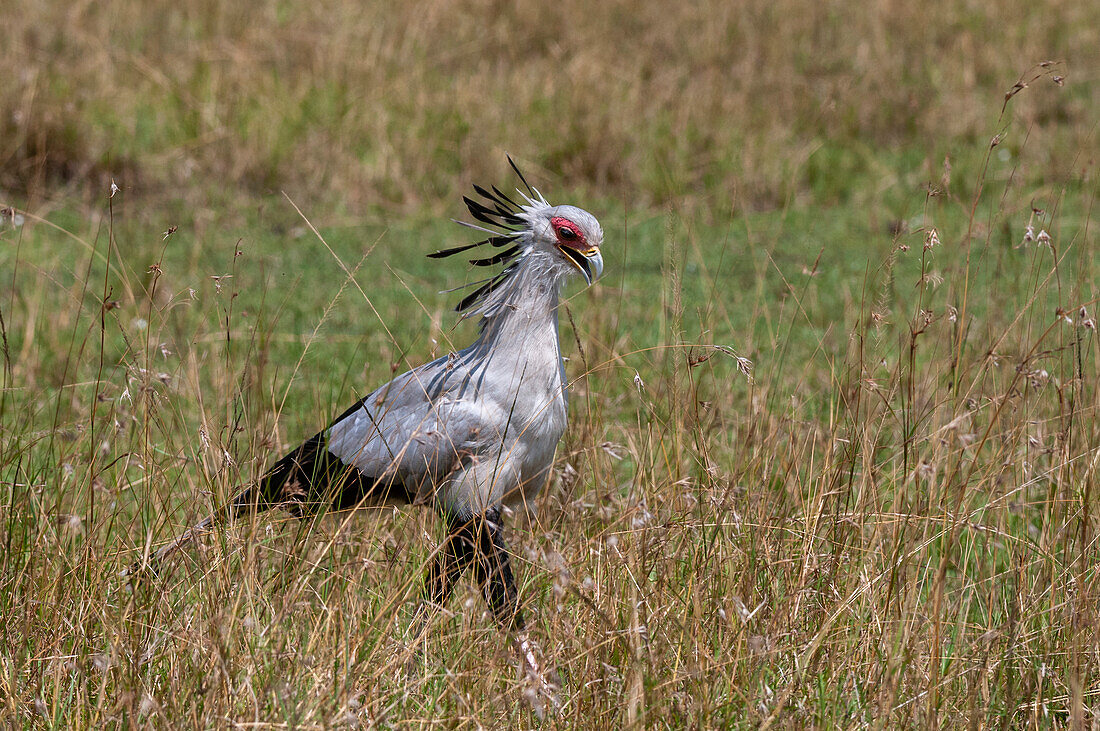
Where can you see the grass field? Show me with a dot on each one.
(888, 521)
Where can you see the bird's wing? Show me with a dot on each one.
(416, 429)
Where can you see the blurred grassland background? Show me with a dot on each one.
(890, 524)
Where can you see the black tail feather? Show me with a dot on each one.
(308, 480)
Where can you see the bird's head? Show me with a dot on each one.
(571, 236)
(559, 240)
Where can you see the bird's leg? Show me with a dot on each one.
(480, 541)
(451, 559)
(494, 573)
(468, 540)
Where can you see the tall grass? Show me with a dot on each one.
(749, 105)
(885, 520)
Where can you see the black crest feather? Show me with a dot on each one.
(496, 258)
(500, 215)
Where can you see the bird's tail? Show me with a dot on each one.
(290, 482)
(305, 481)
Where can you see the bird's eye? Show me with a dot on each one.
(566, 233)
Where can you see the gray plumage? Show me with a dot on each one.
(479, 427)
(468, 432)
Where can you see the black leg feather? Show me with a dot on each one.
(494, 572)
(480, 542)
(458, 551)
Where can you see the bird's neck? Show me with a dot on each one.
(525, 315)
(519, 346)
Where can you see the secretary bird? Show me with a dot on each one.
(468, 432)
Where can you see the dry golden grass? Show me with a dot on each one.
(372, 105)
(892, 525)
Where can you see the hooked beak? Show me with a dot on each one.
(589, 261)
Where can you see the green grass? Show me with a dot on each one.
(829, 500)
(889, 524)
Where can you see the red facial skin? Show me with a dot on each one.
(577, 241)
